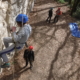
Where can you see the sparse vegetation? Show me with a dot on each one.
(75, 7)
(61, 1)
(77, 13)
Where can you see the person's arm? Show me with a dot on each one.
(17, 37)
(25, 53)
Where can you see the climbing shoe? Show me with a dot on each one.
(6, 65)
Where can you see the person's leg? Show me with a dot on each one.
(4, 56)
(6, 64)
(7, 40)
(26, 62)
(4, 52)
(47, 19)
(57, 17)
(54, 19)
(30, 61)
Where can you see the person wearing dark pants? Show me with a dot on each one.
(56, 18)
(50, 13)
(58, 13)
(29, 56)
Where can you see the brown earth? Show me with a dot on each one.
(57, 54)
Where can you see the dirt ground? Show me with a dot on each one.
(57, 53)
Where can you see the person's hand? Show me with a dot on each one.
(13, 29)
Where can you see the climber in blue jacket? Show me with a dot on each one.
(18, 38)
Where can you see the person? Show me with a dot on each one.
(50, 13)
(18, 38)
(29, 56)
(58, 13)
(74, 30)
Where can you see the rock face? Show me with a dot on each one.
(9, 9)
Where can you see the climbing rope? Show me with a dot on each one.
(15, 43)
(1, 59)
